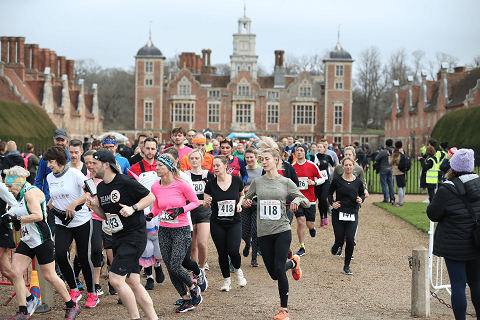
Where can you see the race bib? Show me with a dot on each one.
(199, 187)
(346, 216)
(26, 235)
(114, 223)
(165, 217)
(302, 183)
(226, 208)
(270, 210)
(324, 174)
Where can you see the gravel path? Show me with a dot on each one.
(379, 288)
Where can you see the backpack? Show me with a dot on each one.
(25, 159)
(405, 163)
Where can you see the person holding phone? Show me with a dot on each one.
(73, 221)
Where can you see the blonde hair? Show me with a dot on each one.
(350, 148)
(16, 171)
(348, 158)
(195, 151)
(267, 144)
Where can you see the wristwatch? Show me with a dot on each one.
(135, 208)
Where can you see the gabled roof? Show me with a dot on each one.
(461, 87)
(266, 82)
(22, 88)
(415, 99)
(432, 95)
(402, 98)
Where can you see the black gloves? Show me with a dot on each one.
(7, 218)
(149, 216)
(175, 212)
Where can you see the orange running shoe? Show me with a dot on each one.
(296, 271)
(282, 315)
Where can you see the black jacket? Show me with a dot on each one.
(12, 159)
(454, 234)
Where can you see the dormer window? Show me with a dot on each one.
(272, 94)
(305, 89)
(243, 88)
(339, 71)
(214, 94)
(184, 87)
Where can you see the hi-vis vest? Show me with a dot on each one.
(432, 173)
(423, 150)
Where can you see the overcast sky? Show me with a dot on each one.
(111, 31)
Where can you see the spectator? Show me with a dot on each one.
(96, 145)
(32, 163)
(429, 175)
(386, 181)
(13, 157)
(126, 150)
(3, 148)
(399, 176)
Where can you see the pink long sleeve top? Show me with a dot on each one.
(173, 196)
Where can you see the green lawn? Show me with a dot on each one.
(412, 212)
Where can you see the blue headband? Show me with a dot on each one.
(166, 161)
(107, 141)
(15, 180)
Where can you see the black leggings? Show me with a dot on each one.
(249, 228)
(274, 253)
(227, 238)
(321, 194)
(188, 263)
(83, 240)
(345, 231)
(431, 194)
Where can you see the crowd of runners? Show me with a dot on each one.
(152, 207)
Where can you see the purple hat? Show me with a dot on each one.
(463, 160)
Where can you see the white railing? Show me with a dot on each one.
(438, 284)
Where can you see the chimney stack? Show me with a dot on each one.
(203, 56)
(35, 58)
(70, 69)
(12, 50)
(20, 50)
(4, 49)
(208, 57)
(460, 69)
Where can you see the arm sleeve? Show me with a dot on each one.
(330, 160)
(127, 167)
(39, 179)
(7, 196)
(331, 190)
(361, 176)
(184, 163)
(380, 156)
(337, 171)
(427, 164)
(35, 160)
(292, 174)
(243, 171)
(436, 209)
(361, 191)
(155, 208)
(191, 196)
(298, 197)
(252, 191)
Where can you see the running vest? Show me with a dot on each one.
(34, 233)
(199, 186)
(234, 167)
(432, 173)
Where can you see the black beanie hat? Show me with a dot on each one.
(389, 142)
(398, 144)
(444, 144)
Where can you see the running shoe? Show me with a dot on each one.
(400, 204)
(202, 281)
(73, 312)
(98, 290)
(159, 275)
(300, 252)
(79, 284)
(322, 222)
(111, 290)
(339, 251)
(296, 271)
(282, 315)
(196, 296)
(290, 253)
(32, 305)
(313, 232)
(246, 250)
(185, 306)
(259, 253)
(241, 281)
(92, 300)
(346, 270)
(254, 263)
(75, 295)
(179, 302)
(227, 285)
(326, 221)
(119, 301)
(334, 249)
(206, 266)
(150, 285)
(18, 316)
(426, 201)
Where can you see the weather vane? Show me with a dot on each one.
(150, 31)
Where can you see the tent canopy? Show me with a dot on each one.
(242, 135)
(118, 136)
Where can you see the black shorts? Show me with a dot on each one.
(6, 237)
(308, 213)
(201, 215)
(43, 252)
(126, 255)
(107, 240)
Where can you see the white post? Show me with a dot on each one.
(420, 283)
(46, 291)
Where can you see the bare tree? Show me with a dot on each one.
(475, 63)
(262, 71)
(305, 63)
(86, 69)
(291, 64)
(432, 70)
(445, 57)
(370, 84)
(418, 65)
(222, 68)
(398, 68)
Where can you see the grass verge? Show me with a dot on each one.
(412, 212)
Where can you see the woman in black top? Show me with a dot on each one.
(349, 193)
(224, 194)
(323, 160)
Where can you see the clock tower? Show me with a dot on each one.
(243, 57)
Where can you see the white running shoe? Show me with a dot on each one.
(242, 282)
(227, 285)
(426, 201)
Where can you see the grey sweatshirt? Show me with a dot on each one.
(272, 193)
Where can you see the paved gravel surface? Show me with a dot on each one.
(379, 288)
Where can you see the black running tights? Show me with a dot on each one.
(345, 231)
(227, 238)
(274, 249)
(321, 194)
(249, 228)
